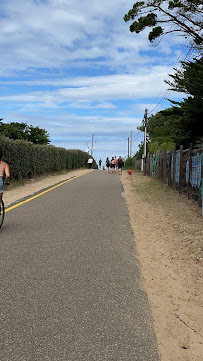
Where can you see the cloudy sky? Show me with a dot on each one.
(73, 68)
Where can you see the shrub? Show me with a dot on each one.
(27, 160)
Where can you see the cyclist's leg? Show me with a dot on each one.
(1, 196)
(1, 210)
(1, 191)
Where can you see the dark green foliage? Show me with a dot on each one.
(134, 11)
(168, 126)
(155, 33)
(13, 130)
(129, 163)
(22, 131)
(181, 124)
(166, 16)
(190, 81)
(37, 135)
(137, 26)
(187, 6)
(27, 160)
(140, 152)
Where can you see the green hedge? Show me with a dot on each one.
(27, 160)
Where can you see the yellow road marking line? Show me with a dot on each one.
(40, 194)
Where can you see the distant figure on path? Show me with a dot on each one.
(107, 164)
(100, 163)
(113, 165)
(120, 165)
(116, 163)
(90, 161)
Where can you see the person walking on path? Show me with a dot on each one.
(100, 163)
(116, 163)
(120, 165)
(113, 165)
(4, 170)
(90, 161)
(107, 164)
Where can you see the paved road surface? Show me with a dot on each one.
(70, 284)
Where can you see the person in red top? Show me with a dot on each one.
(4, 170)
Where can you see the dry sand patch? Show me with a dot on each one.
(168, 233)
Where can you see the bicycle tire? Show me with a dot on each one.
(2, 214)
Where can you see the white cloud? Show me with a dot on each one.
(73, 68)
(57, 33)
(104, 90)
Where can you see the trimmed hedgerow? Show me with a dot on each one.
(27, 160)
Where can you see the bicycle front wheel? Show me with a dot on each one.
(2, 213)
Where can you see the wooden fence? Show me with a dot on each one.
(181, 169)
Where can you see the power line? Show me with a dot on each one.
(137, 135)
(177, 60)
(168, 91)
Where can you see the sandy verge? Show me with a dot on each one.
(168, 233)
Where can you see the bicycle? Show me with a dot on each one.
(2, 214)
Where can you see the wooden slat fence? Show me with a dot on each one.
(181, 169)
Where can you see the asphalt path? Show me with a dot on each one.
(70, 282)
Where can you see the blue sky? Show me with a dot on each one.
(73, 68)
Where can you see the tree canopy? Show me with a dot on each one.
(15, 130)
(189, 78)
(184, 17)
(183, 122)
(167, 127)
(190, 81)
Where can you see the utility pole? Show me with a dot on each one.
(145, 133)
(143, 167)
(130, 144)
(87, 148)
(92, 144)
(128, 147)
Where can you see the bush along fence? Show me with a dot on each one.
(181, 169)
(27, 160)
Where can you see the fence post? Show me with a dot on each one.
(169, 168)
(180, 187)
(164, 166)
(145, 165)
(200, 200)
(148, 164)
(174, 168)
(189, 186)
(160, 165)
(201, 189)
